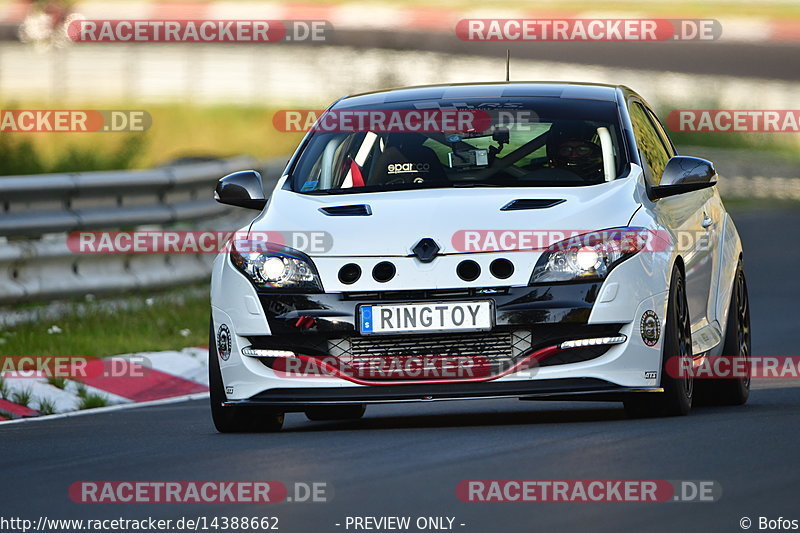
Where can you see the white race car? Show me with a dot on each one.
(528, 240)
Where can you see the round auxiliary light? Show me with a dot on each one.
(383, 272)
(501, 268)
(468, 270)
(349, 273)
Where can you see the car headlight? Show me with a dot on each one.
(589, 256)
(272, 266)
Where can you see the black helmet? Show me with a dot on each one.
(571, 146)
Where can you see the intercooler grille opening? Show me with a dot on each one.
(436, 356)
(440, 356)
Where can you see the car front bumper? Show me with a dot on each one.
(311, 325)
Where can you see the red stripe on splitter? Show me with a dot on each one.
(18, 410)
(148, 385)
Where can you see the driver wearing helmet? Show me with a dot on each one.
(571, 146)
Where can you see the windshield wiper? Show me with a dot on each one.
(478, 184)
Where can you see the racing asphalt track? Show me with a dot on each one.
(407, 459)
(771, 60)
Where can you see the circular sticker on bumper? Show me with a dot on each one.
(650, 328)
(224, 342)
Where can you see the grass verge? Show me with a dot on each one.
(169, 320)
(176, 131)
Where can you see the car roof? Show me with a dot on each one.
(586, 91)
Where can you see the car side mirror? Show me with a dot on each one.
(684, 174)
(242, 189)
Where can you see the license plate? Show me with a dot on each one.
(426, 317)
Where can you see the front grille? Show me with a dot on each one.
(456, 356)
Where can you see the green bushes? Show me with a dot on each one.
(20, 155)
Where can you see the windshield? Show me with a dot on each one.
(544, 142)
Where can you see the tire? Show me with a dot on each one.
(732, 391)
(335, 412)
(234, 419)
(676, 400)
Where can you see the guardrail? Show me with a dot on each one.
(760, 187)
(53, 203)
(37, 211)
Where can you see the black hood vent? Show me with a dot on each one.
(517, 205)
(359, 210)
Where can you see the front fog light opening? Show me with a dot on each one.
(599, 341)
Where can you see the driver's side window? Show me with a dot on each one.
(649, 143)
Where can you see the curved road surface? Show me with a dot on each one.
(771, 60)
(407, 459)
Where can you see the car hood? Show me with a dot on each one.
(400, 219)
